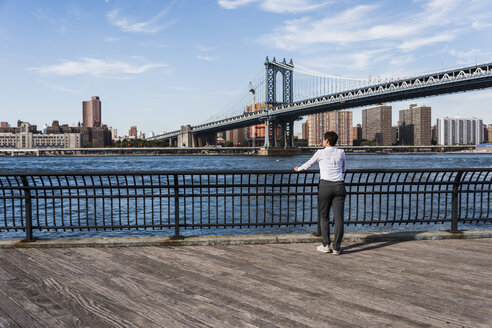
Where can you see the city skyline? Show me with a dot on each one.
(160, 65)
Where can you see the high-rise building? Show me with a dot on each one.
(376, 125)
(434, 133)
(338, 121)
(357, 132)
(4, 125)
(256, 133)
(237, 136)
(133, 132)
(305, 130)
(91, 113)
(463, 131)
(415, 126)
(489, 133)
(317, 128)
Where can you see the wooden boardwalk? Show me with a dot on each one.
(441, 283)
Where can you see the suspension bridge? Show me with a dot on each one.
(292, 91)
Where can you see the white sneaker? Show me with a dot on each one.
(324, 249)
(335, 252)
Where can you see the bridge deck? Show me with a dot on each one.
(405, 284)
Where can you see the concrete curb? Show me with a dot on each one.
(240, 239)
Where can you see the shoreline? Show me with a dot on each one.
(148, 154)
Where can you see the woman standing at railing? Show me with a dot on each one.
(331, 190)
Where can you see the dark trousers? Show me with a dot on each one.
(331, 194)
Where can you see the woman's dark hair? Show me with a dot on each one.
(332, 137)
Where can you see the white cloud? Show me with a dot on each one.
(233, 4)
(205, 49)
(151, 26)
(291, 6)
(425, 41)
(277, 6)
(205, 58)
(442, 19)
(60, 88)
(96, 67)
(479, 25)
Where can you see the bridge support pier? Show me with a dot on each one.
(185, 137)
(205, 140)
(282, 146)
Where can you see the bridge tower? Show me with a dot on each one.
(272, 68)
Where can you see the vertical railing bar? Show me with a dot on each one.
(357, 198)
(53, 203)
(454, 211)
(349, 213)
(159, 181)
(288, 197)
(111, 203)
(152, 200)
(168, 200)
(380, 196)
(176, 206)
(241, 193)
(296, 200)
(103, 201)
(119, 187)
(417, 198)
(233, 203)
(201, 200)
(27, 198)
(127, 201)
(426, 187)
(225, 199)
(192, 177)
(403, 195)
(312, 198)
(78, 200)
(144, 197)
(61, 202)
(249, 199)
(304, 201)
(209, 184)
(69, 189)
(93, 185)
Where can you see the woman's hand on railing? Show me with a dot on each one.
(296, 168)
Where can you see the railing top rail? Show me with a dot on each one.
(214, 172)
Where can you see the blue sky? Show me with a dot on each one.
(161, 64)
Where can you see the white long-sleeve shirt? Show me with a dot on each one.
(331, 163)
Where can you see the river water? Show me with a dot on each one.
(240, 162)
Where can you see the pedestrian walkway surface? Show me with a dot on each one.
(441, 283)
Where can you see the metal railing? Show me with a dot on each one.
(105, 201)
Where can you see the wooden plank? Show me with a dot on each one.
(407, 284)
(289, 268)
(131, 310)
(286, 302)
(66, 305)
(114, 288)
(184, 298)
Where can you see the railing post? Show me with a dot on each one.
(454, 202)
(176, 208)
(28, 203)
